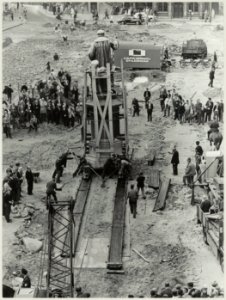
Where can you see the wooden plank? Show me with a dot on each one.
(117, 232)
(81, 197)
(96, 254)
(213, 243)
(79, 255)
(161, 198)
(154, 178)
(126, 242)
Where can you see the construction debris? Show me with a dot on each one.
(32, 245)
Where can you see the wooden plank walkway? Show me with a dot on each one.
(79, 208)
(78, 212)
(117, 231)
(162, 194)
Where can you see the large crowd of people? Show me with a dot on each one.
(54, 100)
(186, 111)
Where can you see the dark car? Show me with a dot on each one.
(195, 48)
(130, 20)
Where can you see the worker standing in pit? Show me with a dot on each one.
(101, 51)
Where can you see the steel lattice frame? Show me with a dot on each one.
(60, 249)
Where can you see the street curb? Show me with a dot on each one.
(12, 26)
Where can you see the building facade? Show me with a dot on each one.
(179, 9)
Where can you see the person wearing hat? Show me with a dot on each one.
(101, 51)
(26, 283)
(30, 179)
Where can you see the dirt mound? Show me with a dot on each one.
(162, 25)
(219, 27)
(6, 42)
(212, 92)
(48, 25)
(42, 53)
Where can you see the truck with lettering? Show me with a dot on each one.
(138, 56)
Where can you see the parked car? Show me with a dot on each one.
(130, 20)
(143, 16)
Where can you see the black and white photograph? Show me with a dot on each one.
(112, 149)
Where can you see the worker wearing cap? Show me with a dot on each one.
(101, 49)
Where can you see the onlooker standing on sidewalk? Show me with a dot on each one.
(175, 160)
(140, 184)
(133, 196)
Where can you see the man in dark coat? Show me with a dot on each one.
(149, 110)
(140, 184)
(175, 160)
(30, 180)
(211, 76)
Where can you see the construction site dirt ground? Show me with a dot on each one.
(171, 240)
